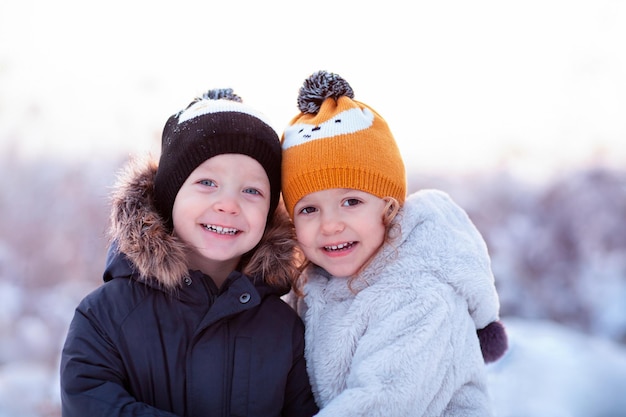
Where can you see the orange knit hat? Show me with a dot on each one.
(337, 142)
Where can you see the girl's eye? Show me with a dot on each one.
(351, 202)
(208, 183)
(307, 210)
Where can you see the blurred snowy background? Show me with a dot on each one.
(514, 108)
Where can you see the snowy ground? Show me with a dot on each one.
(549, 371)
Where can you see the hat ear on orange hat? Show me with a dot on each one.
(338, 142)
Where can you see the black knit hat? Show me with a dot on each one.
(214, 124)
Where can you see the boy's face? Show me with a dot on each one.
(221, 210)
(340, 229)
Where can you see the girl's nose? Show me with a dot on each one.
(332, 224)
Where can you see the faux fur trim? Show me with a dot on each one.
(160, 257)
(447, 243)
(276, 257)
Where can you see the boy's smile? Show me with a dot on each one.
(340, 229)
(221, 230)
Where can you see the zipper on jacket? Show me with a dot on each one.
(228, 368)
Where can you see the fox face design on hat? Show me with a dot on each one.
(338, 142)
(346, 122)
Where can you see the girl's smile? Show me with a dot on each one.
(339, 249)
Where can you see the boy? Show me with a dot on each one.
(189, 321)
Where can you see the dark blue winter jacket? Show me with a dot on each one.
(137, 348)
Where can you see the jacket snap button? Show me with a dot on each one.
(187, 281)
(244, 298)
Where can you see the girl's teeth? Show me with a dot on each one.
(340, 246)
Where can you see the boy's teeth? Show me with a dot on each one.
(221, 230)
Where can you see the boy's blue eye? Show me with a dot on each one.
(208, 183)
(252, 191)
(307, 210)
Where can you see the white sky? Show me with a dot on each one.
(465, 85)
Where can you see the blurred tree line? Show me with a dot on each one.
(558, 250)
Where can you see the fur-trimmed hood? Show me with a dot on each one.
(439, 237)
(400, 338)
(450, 246)
(433, 234)
(159, 257)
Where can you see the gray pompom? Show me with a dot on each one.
(320, 86)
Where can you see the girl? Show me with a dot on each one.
(189, 321)
(395, 288)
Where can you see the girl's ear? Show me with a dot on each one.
(391, 210)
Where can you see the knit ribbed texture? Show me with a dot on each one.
(207, 128)
(346, 144)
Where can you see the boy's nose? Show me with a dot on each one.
(227, 203)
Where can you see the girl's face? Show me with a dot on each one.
(340, 229)
(221, 210)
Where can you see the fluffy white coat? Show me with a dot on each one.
(402, 341)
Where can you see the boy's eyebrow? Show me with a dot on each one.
(260, 179)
